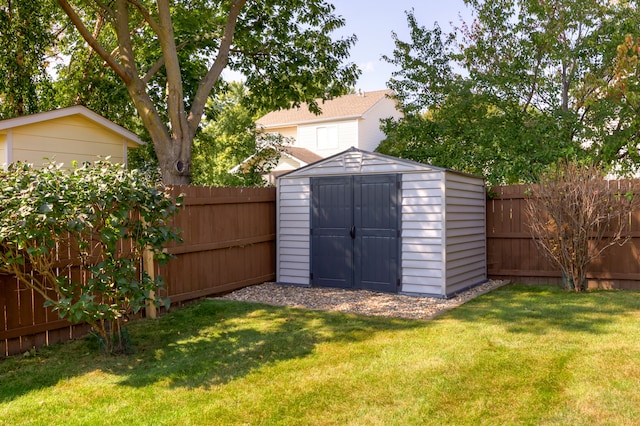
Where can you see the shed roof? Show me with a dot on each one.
(342, 107)
(355, 160)
(66, 112)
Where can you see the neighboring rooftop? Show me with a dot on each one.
(66, 112)
(347, 106)
(302, 154)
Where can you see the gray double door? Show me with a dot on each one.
(355, 232)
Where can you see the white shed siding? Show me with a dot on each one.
(293, 225)
(421, 223)
(465, 235)
(442, 222)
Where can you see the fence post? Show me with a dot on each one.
(147, 265)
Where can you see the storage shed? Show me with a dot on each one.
(362, 220)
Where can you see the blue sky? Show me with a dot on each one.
(373, 21)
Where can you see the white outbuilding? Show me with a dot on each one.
(362, 220)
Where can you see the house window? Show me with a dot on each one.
(327, 137)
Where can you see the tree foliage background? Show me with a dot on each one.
(152, 66)
(27, 37)
(170, 57)
(523, 84)
(229, 136)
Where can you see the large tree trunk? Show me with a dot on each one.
(173, 150)
(172, 143)
(175, 164)
(169, 177)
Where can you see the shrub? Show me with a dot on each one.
(99, 216)
(574, 214)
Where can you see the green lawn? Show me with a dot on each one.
(518, 355)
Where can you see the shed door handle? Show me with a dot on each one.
(352, 232)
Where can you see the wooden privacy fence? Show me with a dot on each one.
(229, 243)
(512, 253)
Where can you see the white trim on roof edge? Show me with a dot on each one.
(66, 112)
(313, 121)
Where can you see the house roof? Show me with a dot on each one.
(302, 154)
(66, 112)
(347, 106)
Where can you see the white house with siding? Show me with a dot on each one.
(64, 135)
(346, 121)
(364, 220)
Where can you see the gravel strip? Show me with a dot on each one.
(356, 301)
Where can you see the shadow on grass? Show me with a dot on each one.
(217, 341)
(47, 366)
(543, 309)
(202, 345)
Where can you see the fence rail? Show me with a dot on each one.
(229, 243)
(512, 253)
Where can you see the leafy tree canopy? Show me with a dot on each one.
(27, 35)
(527, 82)
(170, 57)
(229, 136)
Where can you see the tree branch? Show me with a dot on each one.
(158, 65)
(121, 24)
(106, 8)
(207, 83)
(175, 93)
(534, 82)
(146, 15)
(84, 32)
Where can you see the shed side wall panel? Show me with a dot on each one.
(421, 248)
(293, 225)
(465, 238)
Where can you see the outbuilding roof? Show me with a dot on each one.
(360, 161)
(342, 107)
(66, 112)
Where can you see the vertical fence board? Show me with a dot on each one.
(221, 227)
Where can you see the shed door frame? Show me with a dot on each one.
(353, 244)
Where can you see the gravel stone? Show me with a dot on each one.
(362, 302)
